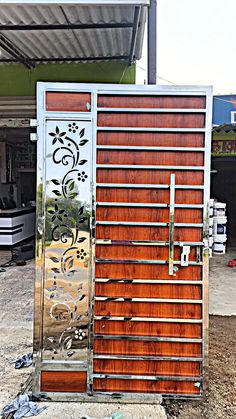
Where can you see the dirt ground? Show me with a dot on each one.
(220, 400)
(16, 315)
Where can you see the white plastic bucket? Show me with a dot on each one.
(219, 248)
(219, 238)
(219, 228)
(219, 209)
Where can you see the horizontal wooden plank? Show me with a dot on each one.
(147, 233)
(67, 101)
(161, 215)
(164, 158)
(151, 120)
(140, 252)
(149, 176)
(64, 381)
(138, 367)
(185, 196)
(154, 139)
(140, 309)
(140, 328)
(148, 290)
(142, 347)
(125, 270)
(142, 101)
(145, 386)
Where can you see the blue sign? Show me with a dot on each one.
(224, 109)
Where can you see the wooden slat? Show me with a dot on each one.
(130, 176)
(148, 139)
(142, 347)
(140, 328)
(164, 158)
(165, 101)
(64, 381)
(151, 120)
(140, 252)
(124, 270)
(141, 309)
(161, 215)
(161, 196)
(148, 290)
(145, 386)
(147, 233)
(116, 366)
(67, 101)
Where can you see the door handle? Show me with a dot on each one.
(172, 224)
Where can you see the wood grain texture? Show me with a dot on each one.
(152, 158)
(67, 101)
(145, 386)
(140, 328)
(151, 120)
(133, 271)
(148, 309)
(161, 215)
(160, 196)
(130, 290)
(148, 139)
(139, 252)
(64, 381)
(147, 233)
(142, 347)
(122, 254)
(142, 101)
(184, 177)
(116, 366)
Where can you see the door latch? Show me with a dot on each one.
(185, 255)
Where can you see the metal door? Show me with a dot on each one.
(122, 268)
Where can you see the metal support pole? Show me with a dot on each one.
(152, 42)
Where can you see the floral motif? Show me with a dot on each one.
(57, 213)
(80, 334)
(73, 127)
(82, 176)
(66, 304)
(57, 136)
(81, 254)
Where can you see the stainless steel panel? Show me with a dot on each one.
(67, 206)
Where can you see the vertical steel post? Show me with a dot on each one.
(152, 42)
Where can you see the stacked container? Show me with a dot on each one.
(211, 215)
(219, 227)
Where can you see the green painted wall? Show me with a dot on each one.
(16, 80)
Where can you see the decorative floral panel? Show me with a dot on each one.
(67, 240)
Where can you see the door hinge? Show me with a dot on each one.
(33, 137)
(33, 123)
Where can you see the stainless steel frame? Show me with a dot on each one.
(44, 116)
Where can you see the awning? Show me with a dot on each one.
(54, 31)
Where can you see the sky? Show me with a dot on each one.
(195, 44)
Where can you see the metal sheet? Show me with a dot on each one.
(73, 43)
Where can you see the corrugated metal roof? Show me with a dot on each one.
(101, 41)
(17, 106)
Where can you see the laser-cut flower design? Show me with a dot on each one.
(81, 254)
(82, 176)
(57, 136)
(73, 127)
(57, 213)
(80, 334)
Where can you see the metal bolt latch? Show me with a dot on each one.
(185, 255)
